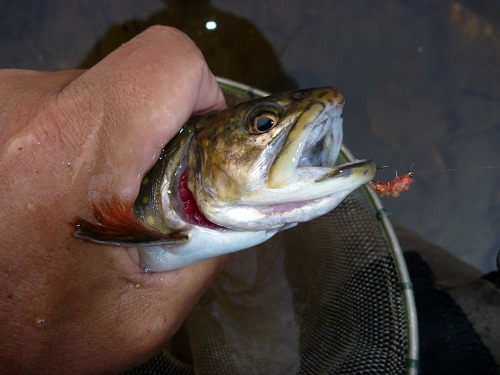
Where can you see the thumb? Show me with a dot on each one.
(133, 102)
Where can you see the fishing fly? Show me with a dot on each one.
(391, 188)
(401, 183)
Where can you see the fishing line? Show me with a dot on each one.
(444, 170)
(402, 183)
(457, 169)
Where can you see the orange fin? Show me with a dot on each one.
(118, 225)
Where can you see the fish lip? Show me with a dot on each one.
(314, 183)
(314, 141)
(347, 169)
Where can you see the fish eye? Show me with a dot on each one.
(262, 119)
(263, 122)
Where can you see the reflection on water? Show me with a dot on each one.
(232, 46)
(420, 78)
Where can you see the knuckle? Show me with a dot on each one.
(173, 37)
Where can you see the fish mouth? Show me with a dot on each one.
(314, 183)
(305, 169)
(315, 192)
(314, 141)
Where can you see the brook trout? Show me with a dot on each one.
(232, 179)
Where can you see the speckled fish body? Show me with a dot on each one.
(232, 179)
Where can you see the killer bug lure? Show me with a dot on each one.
(401, 183)
(391, 188)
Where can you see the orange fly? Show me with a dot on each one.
(391, 188)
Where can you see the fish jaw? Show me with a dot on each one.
(301, 201)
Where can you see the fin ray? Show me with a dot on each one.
(118, 225)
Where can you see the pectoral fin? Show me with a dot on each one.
(117, 224)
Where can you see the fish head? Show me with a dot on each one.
(271, 163)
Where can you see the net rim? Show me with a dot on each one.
(388, 234)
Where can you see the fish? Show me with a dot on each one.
(233, 178)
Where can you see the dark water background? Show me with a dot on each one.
(421, 79)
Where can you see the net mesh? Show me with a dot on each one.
(323, 297)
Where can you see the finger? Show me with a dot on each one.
(136, 99)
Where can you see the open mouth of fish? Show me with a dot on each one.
(303, 180)
(306, 167)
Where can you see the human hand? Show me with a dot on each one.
(66, 139)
